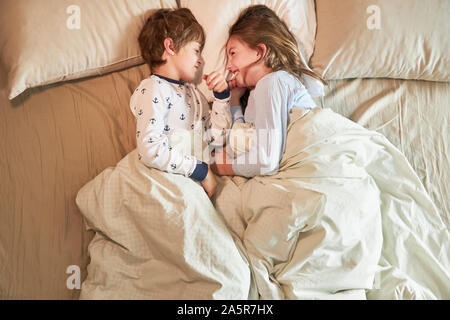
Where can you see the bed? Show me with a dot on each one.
(67, 137)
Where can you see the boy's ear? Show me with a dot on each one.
(168, 46)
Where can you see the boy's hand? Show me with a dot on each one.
(215, 81)
(222, 165)
(210, 183)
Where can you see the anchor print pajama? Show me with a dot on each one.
(168, 110)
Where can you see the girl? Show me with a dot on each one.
(263, 56)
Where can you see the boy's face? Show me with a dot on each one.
(187, 61)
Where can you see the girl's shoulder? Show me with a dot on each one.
(280, 78)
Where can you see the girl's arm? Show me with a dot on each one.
(267, 107)
(237, 114)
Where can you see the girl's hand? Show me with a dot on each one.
(236, 94)
(232, 83)
(210, 183)
(215, 81)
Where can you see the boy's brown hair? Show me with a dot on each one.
(178, 24)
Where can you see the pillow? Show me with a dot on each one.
(378, 38)
(217, 16)
(47, 41)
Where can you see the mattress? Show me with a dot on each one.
(53, 140)
(56, 138)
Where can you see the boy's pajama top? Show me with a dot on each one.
(175, 128)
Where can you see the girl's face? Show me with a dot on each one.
(188, 60)
(242, 62)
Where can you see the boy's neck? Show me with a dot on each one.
(167, 71)
(169, 79)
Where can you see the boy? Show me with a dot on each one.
(170, 112)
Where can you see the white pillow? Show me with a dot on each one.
(217, 16)
(47, 41)
(403, 39)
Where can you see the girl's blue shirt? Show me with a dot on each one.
(268, 110)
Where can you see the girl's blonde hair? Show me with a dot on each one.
(259, 24)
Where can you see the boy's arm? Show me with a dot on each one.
(219, 119)
(153, 146)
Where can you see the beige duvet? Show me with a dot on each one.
(344, 209)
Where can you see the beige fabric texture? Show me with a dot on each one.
(159, 235)
(50, 142)
(382, 39)
(413, 115)
(41, 43)
(361, 160)
(54, 139)
(217, 16)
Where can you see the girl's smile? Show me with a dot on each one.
(245, 63)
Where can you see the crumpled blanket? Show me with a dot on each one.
(345, 217)
(345, 212)
(158, 236)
